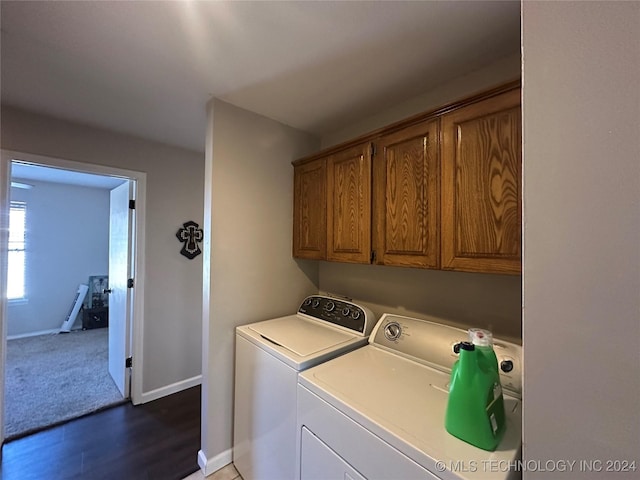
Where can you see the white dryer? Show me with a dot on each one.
(378, 412)
(269, 355)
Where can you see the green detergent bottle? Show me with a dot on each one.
(475, 407)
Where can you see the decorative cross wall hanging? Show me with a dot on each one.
(191, 235)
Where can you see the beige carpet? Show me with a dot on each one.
(52, 378)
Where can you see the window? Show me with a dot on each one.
(16, 263)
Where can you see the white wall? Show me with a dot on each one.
(68, 240)
(493, 75)
(461, 299)
(250, 274)
(581, 234)
(465, 299)
(174, 195)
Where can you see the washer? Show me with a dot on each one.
(269, 355)
(378, 412)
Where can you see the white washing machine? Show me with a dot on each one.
(378, 412)
(269, 355)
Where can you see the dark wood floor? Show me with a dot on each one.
(157, 440)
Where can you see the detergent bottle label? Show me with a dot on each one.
(494, 423)
(493, 404)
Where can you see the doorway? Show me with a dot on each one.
(124, 339)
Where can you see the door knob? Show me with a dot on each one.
(106, 291)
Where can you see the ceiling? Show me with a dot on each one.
(148, 68)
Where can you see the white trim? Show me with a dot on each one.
(34, 334)
(10, 155)
(5, 179)
(170, 389)
(216, 463)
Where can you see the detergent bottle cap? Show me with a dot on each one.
(480, 337)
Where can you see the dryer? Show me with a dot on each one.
(269, 355)
(378, 412)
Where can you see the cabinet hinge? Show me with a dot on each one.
(132, 204)
(128, 363)
(130, 283)
(373, 256)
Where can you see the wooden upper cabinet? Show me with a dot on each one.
(349, 205)
(442, 191)
(406, 197)
(309, 210)
(481, 186)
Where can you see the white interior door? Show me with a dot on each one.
(120, 301)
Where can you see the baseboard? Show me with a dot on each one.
(214, 464)
(170, 389)
(33, 334)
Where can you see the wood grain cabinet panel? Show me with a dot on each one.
(310, 210)
(349, 205)
(481, 186)
(406, 197)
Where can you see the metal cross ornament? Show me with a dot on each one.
(191, 235)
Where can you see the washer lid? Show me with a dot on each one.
(300, 336)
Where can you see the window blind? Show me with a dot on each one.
(17, 250)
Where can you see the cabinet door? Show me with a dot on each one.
(481, 186)
(406, 197)
(309, 210)
(349, 205)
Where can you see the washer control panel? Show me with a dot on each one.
(433, 344)
(339, 312)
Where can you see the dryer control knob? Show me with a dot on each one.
(330, 306)
(506, 366)
(315, 303)
(392, 331)
(346, 312)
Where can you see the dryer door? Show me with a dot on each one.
(319, 462)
